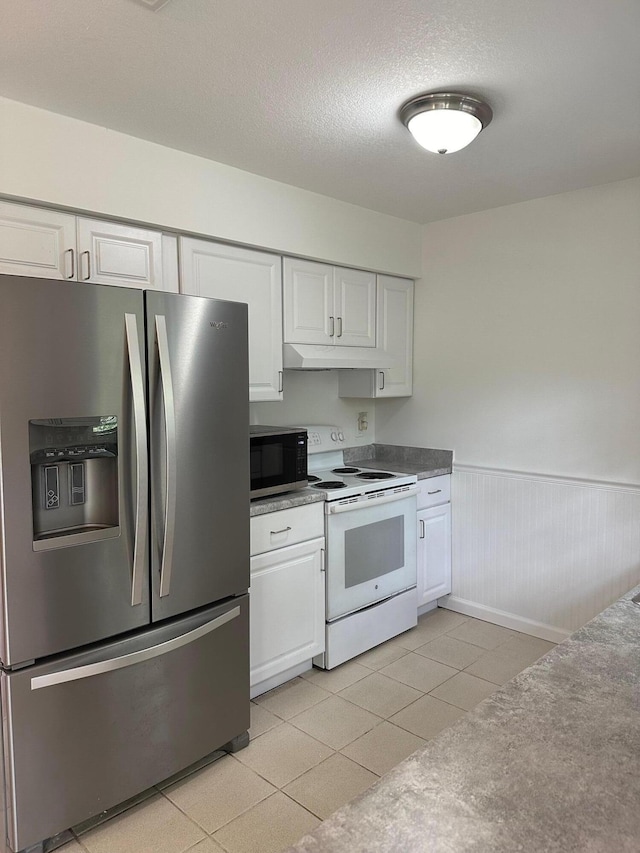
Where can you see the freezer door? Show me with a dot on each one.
(73, 482)
(199, 450)
(93, 729)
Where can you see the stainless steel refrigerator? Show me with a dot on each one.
(124, 544)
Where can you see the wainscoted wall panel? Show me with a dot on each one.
(542, 554)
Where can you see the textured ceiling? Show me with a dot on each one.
(308, 92)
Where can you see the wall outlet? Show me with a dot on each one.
(363, 422)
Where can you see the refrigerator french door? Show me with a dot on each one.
(124, 530)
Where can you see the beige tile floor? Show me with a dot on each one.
(320, 740)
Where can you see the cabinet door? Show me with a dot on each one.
(355, 307)
(434, 553)
(119, 254)
(309, 317)
(242, 275)
(395, 335)
(287, 608)
(37, 242)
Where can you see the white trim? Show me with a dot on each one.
(546, 478)
(506, 620)
(427, 608)
(280, 678)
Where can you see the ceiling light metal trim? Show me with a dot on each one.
(446, 101)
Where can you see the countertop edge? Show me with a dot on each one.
(550, 761)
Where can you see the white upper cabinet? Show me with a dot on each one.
(48, 244)
(395, 338)
(308, 302)
(328, 305)
(242, 275)
(110, 253)
(395, 335)
(37, 242)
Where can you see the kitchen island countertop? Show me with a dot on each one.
(549, 762)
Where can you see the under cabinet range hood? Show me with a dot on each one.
(318, 357)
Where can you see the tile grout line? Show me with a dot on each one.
(380, 719)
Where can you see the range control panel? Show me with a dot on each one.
(321, 438)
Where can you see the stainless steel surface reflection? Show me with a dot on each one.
(124, 562)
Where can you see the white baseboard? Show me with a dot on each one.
(425, 608)
(506, 620)
(280, 678)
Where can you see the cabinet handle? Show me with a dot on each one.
(437, 492)
(280, 382)
(339, 335)
(381, 388)
(284, 530)
(88, 275)
(422, 529)
(322, 564)
(72, 274)
(333, 327)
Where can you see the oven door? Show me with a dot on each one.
(371, 550)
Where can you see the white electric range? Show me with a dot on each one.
(370, 530)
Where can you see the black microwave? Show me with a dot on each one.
(278, 459)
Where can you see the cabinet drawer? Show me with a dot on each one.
(286, 527)
(434, 490)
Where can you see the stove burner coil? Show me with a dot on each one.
(311, 478)
(375, 475)
(345, 470)
(329, 484)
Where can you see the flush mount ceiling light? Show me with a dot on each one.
(444, 122)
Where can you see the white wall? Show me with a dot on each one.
(50, 158)
(527, 351)
(311, 397)
(527, 359)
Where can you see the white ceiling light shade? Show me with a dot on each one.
(444, 122)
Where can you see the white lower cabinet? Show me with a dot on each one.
(286, 598)
(434, 540)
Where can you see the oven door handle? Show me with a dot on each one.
(352, 507)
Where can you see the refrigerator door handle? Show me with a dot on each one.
(170, 435)
(142, 468)
(91, 669)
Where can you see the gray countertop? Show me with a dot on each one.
(423, 462)
(550, 762)
(261, 506)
